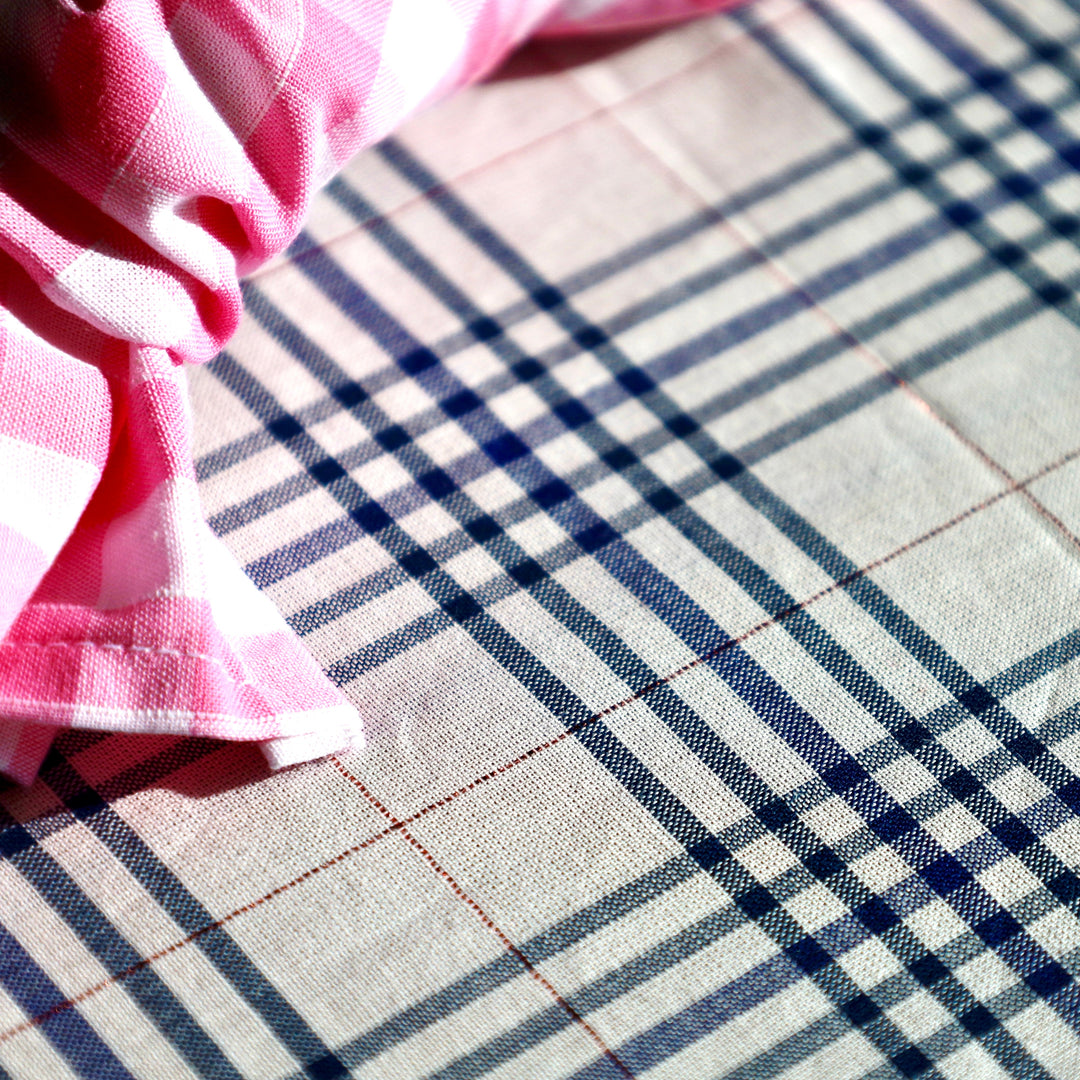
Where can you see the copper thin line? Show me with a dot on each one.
(400, 825)
(488, 922)
(776, 270)
(599, 109)
(77, 999)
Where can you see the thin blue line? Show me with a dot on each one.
(845, 934)
(114, 952)
(1042, 122)
(341, 288)
(965, 896)
(252, 986)
(66, 1028)
(597, 738)
(918, 175)
(997, 720)
(756, 320)
(224, 457)
(868, 593)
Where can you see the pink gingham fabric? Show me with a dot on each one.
(152, 152)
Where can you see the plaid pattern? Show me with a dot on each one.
(151, 151)
(697, 530)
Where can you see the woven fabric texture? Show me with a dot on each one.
(150, 153)
(672, 448)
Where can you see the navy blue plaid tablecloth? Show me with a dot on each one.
(672, 447)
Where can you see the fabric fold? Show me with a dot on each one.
(151, 153)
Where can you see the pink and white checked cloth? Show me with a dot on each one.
(152, 152)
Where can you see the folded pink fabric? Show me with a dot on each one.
(152, 152)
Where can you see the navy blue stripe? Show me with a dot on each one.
(998, 83)
(1004, 726)
(840, 937)
(335, 535)
(732, 999)
(705, 1015)
(845, 934)
(1041, 49)
(597, 738)
(1031, 668)
(331, 537)
(711, 343)
(763, 189)
(964, 216)
(505, 968)
(35, 993)
(663, 240)
(113, 951)
(750, 323)
(615, 652)
(71, 741)
(666, 365)
(368, 517)
(253, 987)
(965, 898)
(1039, 119)
(341, 287)
(774, 600)
(1035, 117)
(675, 1033)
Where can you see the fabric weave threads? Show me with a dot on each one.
(694, 530)
(152, 154)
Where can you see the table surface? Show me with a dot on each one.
(672, 447)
